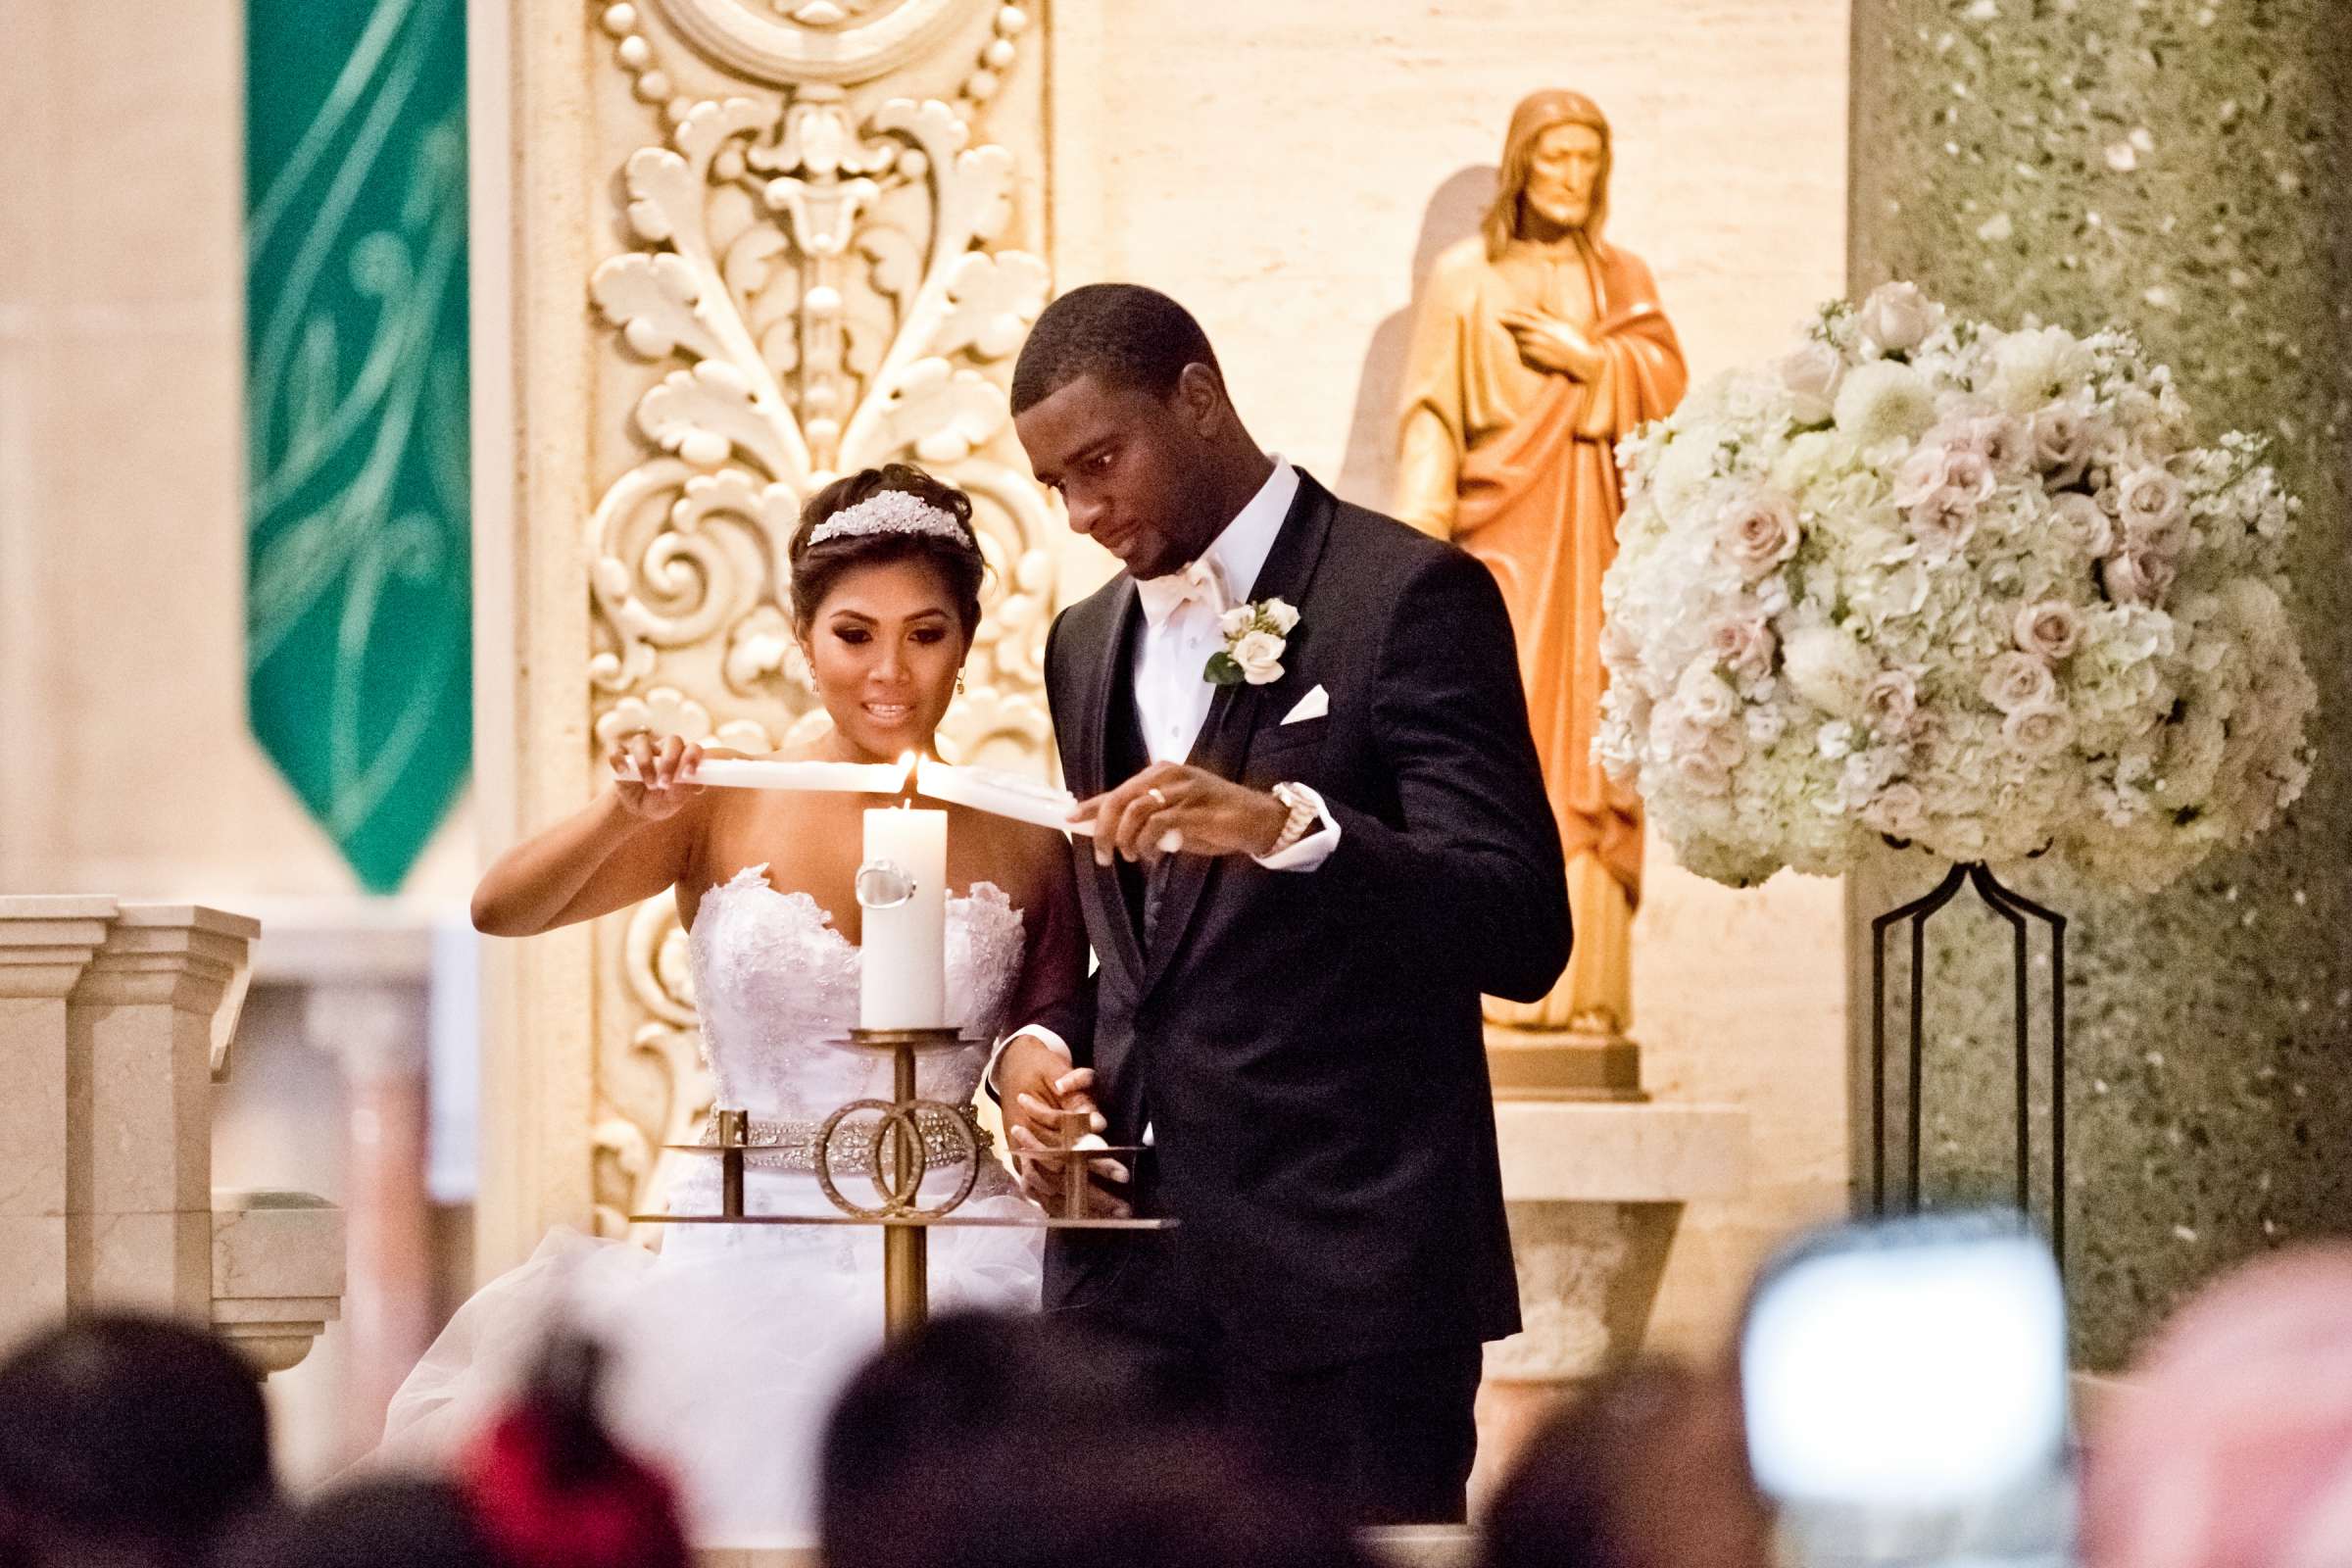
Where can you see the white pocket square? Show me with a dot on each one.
(1314, 705)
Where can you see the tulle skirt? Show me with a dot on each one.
(728, 1347)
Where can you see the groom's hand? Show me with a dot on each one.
(1170, 809)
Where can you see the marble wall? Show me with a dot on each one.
(2177, 165)
(1291, 173)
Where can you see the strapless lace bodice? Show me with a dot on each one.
(775, 982)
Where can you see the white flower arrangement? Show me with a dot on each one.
(1257, 636)
(1972, 590)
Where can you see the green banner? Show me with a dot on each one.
(360, 598)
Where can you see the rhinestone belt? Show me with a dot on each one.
(792, 1145)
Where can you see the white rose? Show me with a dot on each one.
(1896, 317)
(1899, 811)
(2061, 439)
(1829, 669)
(1260, 654)
(1890, 700)
(1944, 523)
(1811, 374)
(2019, 680)
(2134, 577)
(1883, 400)
(1281, 614)
(2040, 729)
(2154, 509)
(2050, 630)
(1703, 773)
(1705, 695)
(2000, 440)
(1743, 644)
(1236, 622)
(1969, 474)
(1757, 532)
(1921, 476)
(2082, 522)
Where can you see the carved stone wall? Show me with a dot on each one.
(823, 234)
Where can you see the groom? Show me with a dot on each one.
(1297, 888)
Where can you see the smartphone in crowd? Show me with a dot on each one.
(1905, 1393)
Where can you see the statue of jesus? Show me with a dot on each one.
(1536, 346)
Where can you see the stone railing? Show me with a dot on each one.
(115, 1021)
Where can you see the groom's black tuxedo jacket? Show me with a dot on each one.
(1306, 1046)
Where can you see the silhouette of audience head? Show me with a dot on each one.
(381, 1522)
(1647, 1469)
(126, 1440)
(988, 1442)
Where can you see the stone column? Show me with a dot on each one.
(146, 1027)
(45, 946)
(378, 1032)
(2176, 167)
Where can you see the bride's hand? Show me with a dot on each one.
(664, 775)
(1048, 1104)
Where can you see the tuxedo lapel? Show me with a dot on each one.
(1237, 712)
(1110, 680)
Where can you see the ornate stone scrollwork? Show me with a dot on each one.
(820, 276)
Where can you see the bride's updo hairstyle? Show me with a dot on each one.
(880, 516)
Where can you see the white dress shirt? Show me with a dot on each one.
(1172, 689)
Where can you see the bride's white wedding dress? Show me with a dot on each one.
(730, 1345)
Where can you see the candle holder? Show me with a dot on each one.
(731, 1132)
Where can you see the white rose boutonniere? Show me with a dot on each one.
(1256, 637)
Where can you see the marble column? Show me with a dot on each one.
(377, 1031)
(2175, 166)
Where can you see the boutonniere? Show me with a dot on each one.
(1255, 636)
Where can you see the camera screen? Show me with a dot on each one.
(1914, 1370)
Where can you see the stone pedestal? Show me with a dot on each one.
(141, 1047)
(1563, 1065)
(115, 1020)
(45, 946)
(1595, 1192)
(276, 1272)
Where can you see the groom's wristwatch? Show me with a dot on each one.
(1303, 813)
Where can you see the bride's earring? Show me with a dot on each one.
(959, 683)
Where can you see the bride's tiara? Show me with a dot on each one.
(889, 512)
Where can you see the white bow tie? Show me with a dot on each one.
(1198, 582)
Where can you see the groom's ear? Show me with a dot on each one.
(1201, 399)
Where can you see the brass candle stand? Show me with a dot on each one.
(908, 1139)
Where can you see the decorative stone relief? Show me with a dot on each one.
(830, 233)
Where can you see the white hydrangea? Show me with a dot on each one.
(1983, 592)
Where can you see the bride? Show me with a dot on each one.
(729, 1345)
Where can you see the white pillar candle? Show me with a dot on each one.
(903, 982)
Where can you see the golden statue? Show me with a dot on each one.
(1536, 346)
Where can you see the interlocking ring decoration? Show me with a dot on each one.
(899, 1181)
